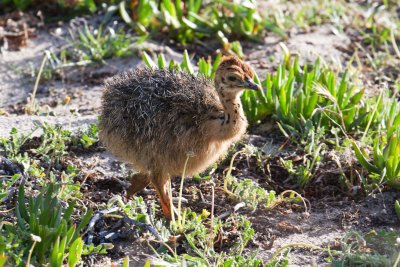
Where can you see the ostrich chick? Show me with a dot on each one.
(155, 118)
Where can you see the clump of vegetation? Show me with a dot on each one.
(200, 240)
(194, 20)
(65, 5)
(54, 143)
(374, 248)
(205, 68)
(11, 146)
(44, 232)
(89, 137)
(99, 45)
(385, 163)
(86, 47)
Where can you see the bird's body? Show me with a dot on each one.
(155, 119)
(158, 117)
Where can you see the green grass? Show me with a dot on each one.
(63, 5)
(384, 165)
(199, 240)
(85, 47)
(44, 232)
(45, 218)
(195, 20)
(304, 99)
(376, 248)
(53, 145)
(98, 45)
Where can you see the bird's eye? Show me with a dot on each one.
(232, 78)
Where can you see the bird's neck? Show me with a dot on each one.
(232, 107)
(234, 121)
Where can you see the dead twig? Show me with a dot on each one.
(145, 226)
(125, 219)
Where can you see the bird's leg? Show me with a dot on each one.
(138, 182)
(160, 183)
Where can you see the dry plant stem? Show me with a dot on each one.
(357, 57)
(371, 61)
(90, 172)
(337, 161)
(396, 263)
(180, 221)
(164, 244)
(341, 126)
(4, 223)
(171, 203)
(6, 211)
(33, 96)
(116, 216)
(298, 245)
(28, 261)
(211, 240)
(181, 186)
(228, 174)
(396, 49)
(373, 114)
(284, 144)
(282, 199)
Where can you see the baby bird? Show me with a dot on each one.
(155, 118)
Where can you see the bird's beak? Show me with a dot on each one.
(250, 84)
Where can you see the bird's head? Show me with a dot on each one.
(233, 76)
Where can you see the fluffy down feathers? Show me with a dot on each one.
(156, 113)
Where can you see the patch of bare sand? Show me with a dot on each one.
(328, 221)
(322, 42)
(15, 85)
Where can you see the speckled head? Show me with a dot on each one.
(234, 76)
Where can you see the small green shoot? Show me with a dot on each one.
(385, 165)
(397, 208)
(45, 217)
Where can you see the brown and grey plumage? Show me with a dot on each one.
(155, 118)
